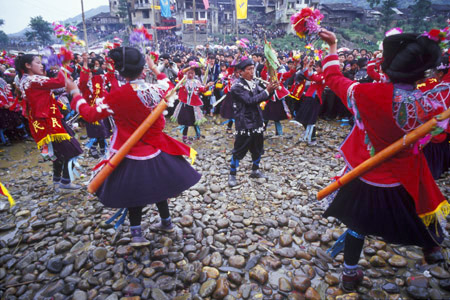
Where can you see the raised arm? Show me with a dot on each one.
(79, 104)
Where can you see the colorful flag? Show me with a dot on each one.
(4, 192)
(206, 3)
(165, 8)
(241, 9)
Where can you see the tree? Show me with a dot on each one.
(40, 30)
(420, 10)
(386, 10)
(3, 37)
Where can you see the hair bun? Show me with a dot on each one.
(407, 57)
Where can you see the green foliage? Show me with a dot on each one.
(40, 30)
(420, 10)
(3, 38)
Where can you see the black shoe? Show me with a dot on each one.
(350, 283)
(232, 180)
(257, 174)
(94, 153)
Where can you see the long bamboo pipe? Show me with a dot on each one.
(384, 154)
(115, 160)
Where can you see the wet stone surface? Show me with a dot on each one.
(263, 239)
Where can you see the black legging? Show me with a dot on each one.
(135, 213)
(61, 167)
(352, 250)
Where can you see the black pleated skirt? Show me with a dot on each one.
(438, 157)
(308, 112)
(384, 212)
(140, 182)
(274, 111)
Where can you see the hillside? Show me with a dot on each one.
(74, 20)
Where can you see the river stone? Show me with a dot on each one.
(223, 223)
(216, 260)
(222, 288)
(311, 236)
(99, 254)
(284, 285)
(235, 278)
(286, 240)
(397, 261)
(124, 250)
(377, 261)
(133, 289)
(439, 272)
(259, 274)
(312, 294)
(62, 247)
(119, 284)
(207, 288)
(69, 224)
(391, 288)
(237, 261)
(417, 281)
(79, 295)
(215, 188)
(80, 260)
(331, 280)
(212, 273)
(186, 221)
(417, 292)
(158, 294)
(54, 265)
(301, 283)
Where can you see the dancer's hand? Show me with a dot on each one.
(329, 38)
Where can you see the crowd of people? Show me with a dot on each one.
(382, 95)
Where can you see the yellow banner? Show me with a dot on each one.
(241, 9)
(192, 22)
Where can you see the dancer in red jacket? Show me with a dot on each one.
(154, 170)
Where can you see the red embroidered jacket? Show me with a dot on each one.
(129, 105)
(196, 88)
(282, 77)
(317, 84)
(374, 102)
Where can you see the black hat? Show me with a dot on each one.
(128, 61)
(407, 56)
(243, 64)
(164, 56)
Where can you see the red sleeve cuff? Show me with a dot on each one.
(161, 76)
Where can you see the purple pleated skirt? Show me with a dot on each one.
(226, 109)
(67, 149)
(140, 182)
(186, 115)
(308, 112)
(98, 131)
(9, 119)
(438, 157)
(387, 212)
(274, 111)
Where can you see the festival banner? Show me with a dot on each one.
(196, 22)
(165, 27)
(206, 3)
(165, 8)
(241, 9)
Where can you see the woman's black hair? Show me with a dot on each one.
(20, 61)
(128, 61)
(407, 56)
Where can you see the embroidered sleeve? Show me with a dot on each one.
(91, 113)
(45, 83)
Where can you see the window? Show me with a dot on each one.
(201, 15)
(189, 15)
(146, 13)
